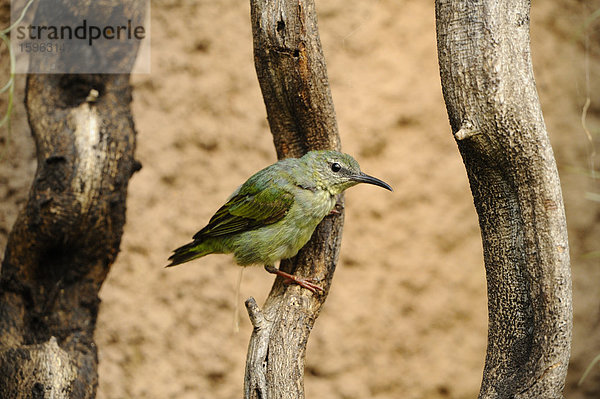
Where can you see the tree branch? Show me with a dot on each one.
(496, 118)
(66, 238)
(293, 79)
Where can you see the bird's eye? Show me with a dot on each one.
(336, 167)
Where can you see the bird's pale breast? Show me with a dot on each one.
(284, 239)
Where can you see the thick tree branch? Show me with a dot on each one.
(66, 238)
(293, 79)
(495, 114)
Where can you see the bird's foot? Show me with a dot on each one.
(337, 209)
(307, 283)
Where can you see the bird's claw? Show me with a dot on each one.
(308, 283)
(337, 209)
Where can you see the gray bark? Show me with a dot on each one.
(495, 115)
(67, 236)
(293, 79)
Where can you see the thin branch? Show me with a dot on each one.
(257, 352)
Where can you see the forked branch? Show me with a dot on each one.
(293, 79)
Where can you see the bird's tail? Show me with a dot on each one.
(186, 253)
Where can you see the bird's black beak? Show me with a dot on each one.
(363, 178)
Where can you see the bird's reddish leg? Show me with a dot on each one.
(337, 209)
(290, 278)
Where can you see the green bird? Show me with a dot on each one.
(275, 212)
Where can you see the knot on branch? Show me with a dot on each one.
(466, 131)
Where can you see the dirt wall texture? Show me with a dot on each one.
(406, 316)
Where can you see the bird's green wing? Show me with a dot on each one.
(249, 209)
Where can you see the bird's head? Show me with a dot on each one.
(336, 172)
